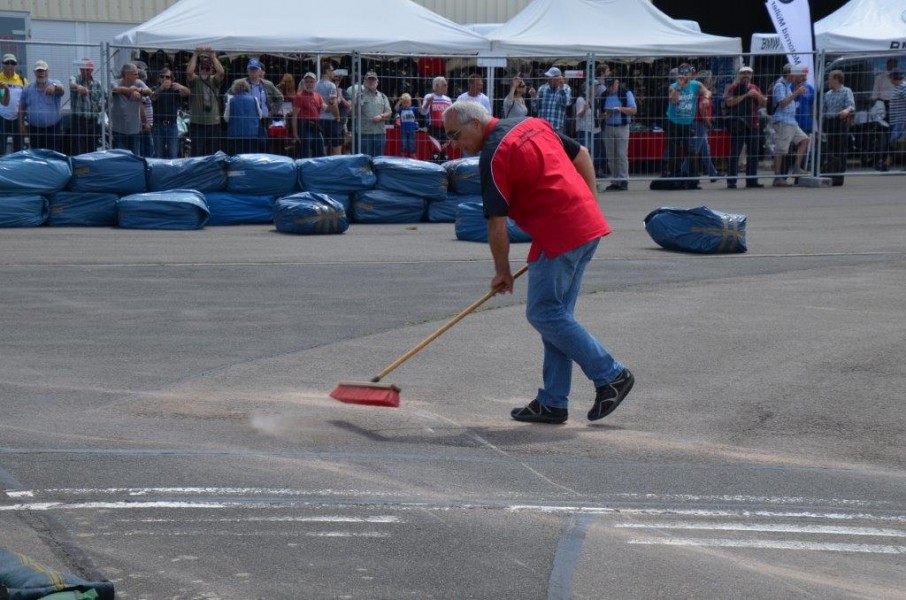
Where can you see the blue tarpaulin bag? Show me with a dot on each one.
(25, 579)
(202, 173)
(444, 211)
(22, 210)
(173, 209)
(381, 206)
(34, 172)
(262, 174)
(409, 176)
(112, 171)
(239, 209)
(335, 175)
(471, 226)
(463, 177)
(309, 213)
(82, 209)
(699, 230)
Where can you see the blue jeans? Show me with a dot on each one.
(553, 288)
(701, 148)
(373, 144)
(128, 141)
(166, 139)
(407, 142)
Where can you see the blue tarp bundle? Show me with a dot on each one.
(444, 211)
(82, 209)
(173, 209)
(112, 171)
(409, 176)
(25, 579)
(22, 210)
(463, 175)
(228, 208)
(335, 175)
(264, 174)
(309, 213)
(699, 230)
(34, 172)
(471, 226)
(202, 173)
(380, 206)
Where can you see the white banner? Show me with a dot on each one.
(793, 21)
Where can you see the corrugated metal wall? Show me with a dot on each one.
(139, 11)
(101, 11)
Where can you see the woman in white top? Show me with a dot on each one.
(514, 104)
(587, 128)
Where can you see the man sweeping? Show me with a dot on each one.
(545, 182)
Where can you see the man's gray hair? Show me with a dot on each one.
(438, 80)
(129, 68)
(466, 110)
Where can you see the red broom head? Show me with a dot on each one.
(371, 394)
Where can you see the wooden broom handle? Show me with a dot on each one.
(469, 309)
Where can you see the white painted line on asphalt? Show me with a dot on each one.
(199, 490)
(20, 494)
(237, 534)
(335, 519)
(744, 499)
(773, 545)
(810, 529)
(707, 513)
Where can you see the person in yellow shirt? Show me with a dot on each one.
(11, 83)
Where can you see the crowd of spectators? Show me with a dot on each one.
(196, 103)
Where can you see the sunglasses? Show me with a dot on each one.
(10, 62)
(166, 77)
(454, 135)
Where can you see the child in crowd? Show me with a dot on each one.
(407, 121)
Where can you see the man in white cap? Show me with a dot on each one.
(552, 99)
(743, 99)
(9, 112)
(41, 107)
(307, 108)
(86, 99)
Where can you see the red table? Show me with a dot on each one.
(649, 145)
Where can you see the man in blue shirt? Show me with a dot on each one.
(41, 107)
(786, 129)
(617, 107)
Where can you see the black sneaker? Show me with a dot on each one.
(535, 412)
(610, 395)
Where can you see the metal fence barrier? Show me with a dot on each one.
(722, 125)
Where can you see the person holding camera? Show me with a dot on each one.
(742, 99)
(205, 129)
(514, 104)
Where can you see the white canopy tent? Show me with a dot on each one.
(608, 27)
(857, 26)
(338, 26)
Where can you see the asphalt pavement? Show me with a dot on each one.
(166, 421)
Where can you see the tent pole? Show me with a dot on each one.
(357, 113)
